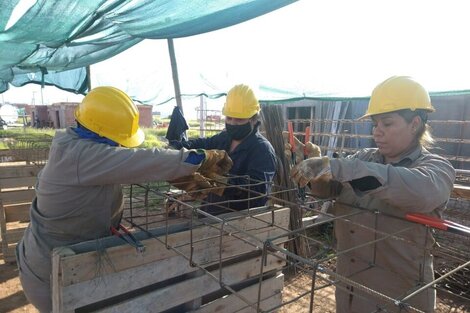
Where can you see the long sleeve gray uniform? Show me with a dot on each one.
(420, 182)
(78, 197)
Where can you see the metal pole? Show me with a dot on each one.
(42, 95)
(88, 77)
(202, 109)
(174, 70)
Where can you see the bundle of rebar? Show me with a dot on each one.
(273, 122)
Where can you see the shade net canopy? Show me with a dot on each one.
(51, 42)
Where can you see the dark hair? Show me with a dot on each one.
(423, 133)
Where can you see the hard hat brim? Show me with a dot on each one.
(430, 110)
(136, 140)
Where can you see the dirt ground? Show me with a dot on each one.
(12, 299)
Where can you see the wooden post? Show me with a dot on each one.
(174, 70)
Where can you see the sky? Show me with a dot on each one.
(321, 47)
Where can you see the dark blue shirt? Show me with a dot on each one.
(254, 157)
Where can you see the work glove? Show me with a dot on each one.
(196, 185)
(324, 186)
(310, 148)
(310, 169)
(216, 163)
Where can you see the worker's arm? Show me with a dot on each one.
(103, 164)
(215, 142)
(421, 188)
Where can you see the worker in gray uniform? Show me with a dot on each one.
(78, 193)
(400, 176)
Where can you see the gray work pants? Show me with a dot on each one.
(36, 290)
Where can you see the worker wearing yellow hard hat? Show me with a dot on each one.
(78, 194)
(118, 121)
(252, 154)
(398, 177)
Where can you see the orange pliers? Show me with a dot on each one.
(437, 223)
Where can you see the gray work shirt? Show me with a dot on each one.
(420, 182)
(78, 193)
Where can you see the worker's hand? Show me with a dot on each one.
(309, 169)
(324, 186)
(310, 148)
(215, 162)
(196, 185)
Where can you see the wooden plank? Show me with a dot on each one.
(206, 252)
(179, 226)
(114, 284)
(82, 267)
(176, 294)
(17, 196)
(13, 235)
(3, 228)
(26, 170)
(461, 191)
(271, 297)
(56, 288)
(17, 212)
(14, 182)
(9, 254)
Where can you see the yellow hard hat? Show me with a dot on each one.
(241, 102)
(398, 93)
(110, 113)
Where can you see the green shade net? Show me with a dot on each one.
(51, 42)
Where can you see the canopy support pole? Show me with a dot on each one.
(88, 78)
(174, 70)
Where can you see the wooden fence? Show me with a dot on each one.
(17, 180)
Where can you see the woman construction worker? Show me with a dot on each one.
(78, 193)
(252, 154)
(398, 177)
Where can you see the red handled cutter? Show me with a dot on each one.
(307, 139)
(437, 223)
(128, 237)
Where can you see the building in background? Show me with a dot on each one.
(61, 115)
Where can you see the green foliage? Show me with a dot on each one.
(151, 138)
(26, 131)
(152, 135)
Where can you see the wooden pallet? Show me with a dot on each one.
(16, 193)
(120, 279)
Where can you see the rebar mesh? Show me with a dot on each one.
(312, 287)
(32, 149)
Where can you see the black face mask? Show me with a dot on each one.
(238, 132)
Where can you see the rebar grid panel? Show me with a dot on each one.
(453, 249)
(451, 265)
(342, 135)
(212, 237)
(33, 149)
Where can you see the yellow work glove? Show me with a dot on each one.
(216, 162)
(312, 149)
(310, 169)
(196, 185)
